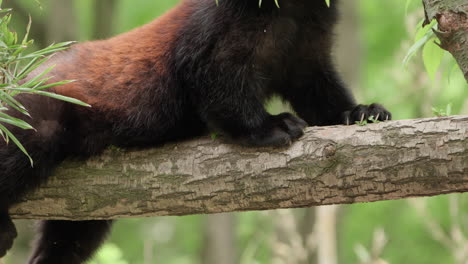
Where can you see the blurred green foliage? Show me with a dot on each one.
(387, 30)
(109, 254)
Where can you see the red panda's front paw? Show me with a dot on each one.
(279, 130)
(372, 112)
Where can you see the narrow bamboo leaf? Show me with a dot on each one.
(8, 98)
(28, 28)
(13, 103)
(416, 46)
(49, 50)
(17, 52)
(63, 98)
(4, 136)
(422, 31)
(43, 87)
(5, 10)
(14, 121)
(19, 109)
(17, 142)
(38, 77)
(20, 89)
(31, 66)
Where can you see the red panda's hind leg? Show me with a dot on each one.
(7, 233)
(47, 146)
(71, 242)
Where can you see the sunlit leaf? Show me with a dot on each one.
(432, 57)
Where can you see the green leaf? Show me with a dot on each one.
(38, 77)
(327, 2)
(416, 46)
(422, 31)
(46, 86)
(14, 121)
(432, 57)
(31, 66)
(9, 135)
(13, 103)
(28, 28)
(63, 98)
(452, 69)
(423, 35)
(277, 4)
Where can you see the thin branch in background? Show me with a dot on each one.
(433, 228)
(379, 242)
(62, 24)
(288, 246)
(219, 239)
(456, 241)
(325, 229)
(103, 18)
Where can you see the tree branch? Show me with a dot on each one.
(329, 165)
(452, 17)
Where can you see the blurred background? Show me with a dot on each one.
(372, 40)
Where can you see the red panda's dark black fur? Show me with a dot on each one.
(199, 66)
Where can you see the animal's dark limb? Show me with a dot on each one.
(69, 242)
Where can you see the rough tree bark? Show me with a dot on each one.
(452, 17)
(329, 165)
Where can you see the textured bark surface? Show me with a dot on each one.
(329, 165)
(452, 16)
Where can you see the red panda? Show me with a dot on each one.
(200, 66)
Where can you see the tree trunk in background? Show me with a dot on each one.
(306, 229)
(287, 246)
(348, 52)
(220, 242)
(452, 16)
(103, 18)
(61, 24)
(326, 234)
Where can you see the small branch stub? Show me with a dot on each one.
(452, 18)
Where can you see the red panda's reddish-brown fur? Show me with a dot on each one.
(124, 58)
(198, 66)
